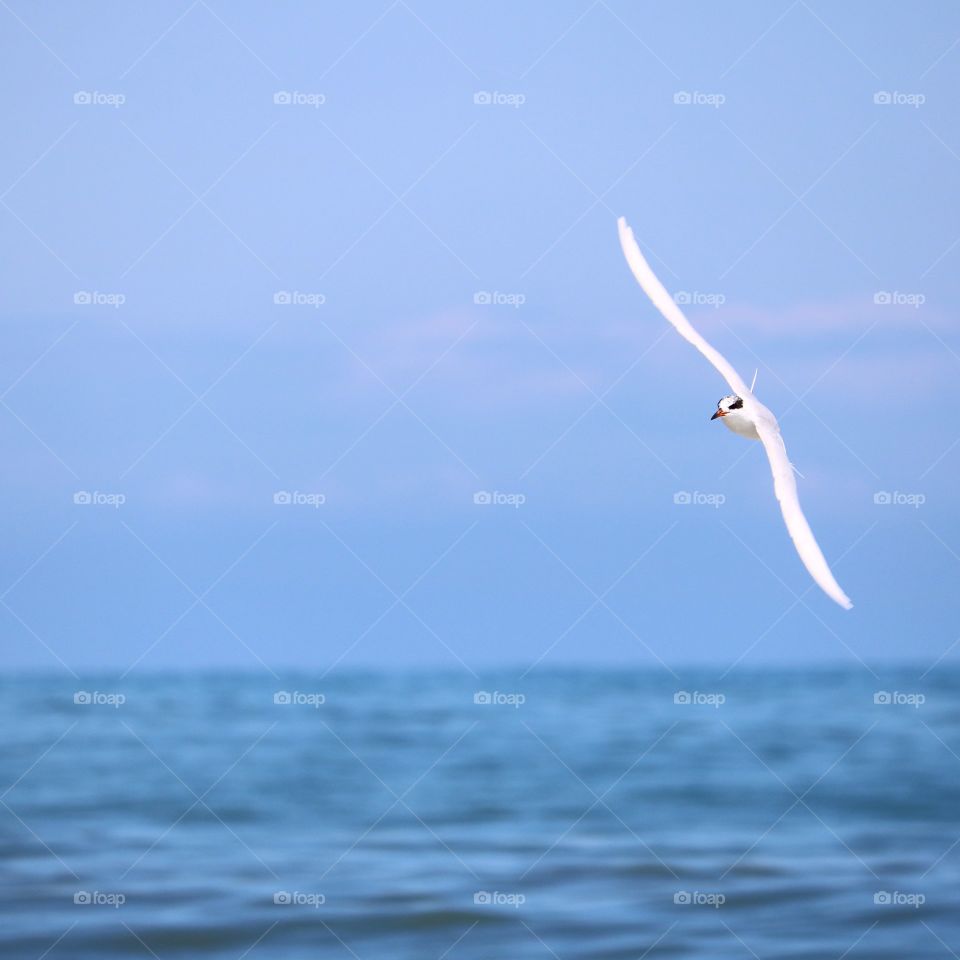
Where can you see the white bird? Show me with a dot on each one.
(745, 415)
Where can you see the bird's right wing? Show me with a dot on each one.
(785, 487)
(662, 300)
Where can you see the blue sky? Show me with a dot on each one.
(438, 201)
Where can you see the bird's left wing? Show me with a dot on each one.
(662, 300)
(785, 487)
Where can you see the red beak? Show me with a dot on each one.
(719, 413)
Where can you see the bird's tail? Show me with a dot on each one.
(792, 464)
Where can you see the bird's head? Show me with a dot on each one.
(726, 405)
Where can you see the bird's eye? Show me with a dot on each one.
(737, 404)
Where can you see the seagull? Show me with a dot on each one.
(745, 415)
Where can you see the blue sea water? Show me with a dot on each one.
(579, 815)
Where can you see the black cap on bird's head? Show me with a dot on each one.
(726, 404)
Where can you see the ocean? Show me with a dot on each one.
(574, 815)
